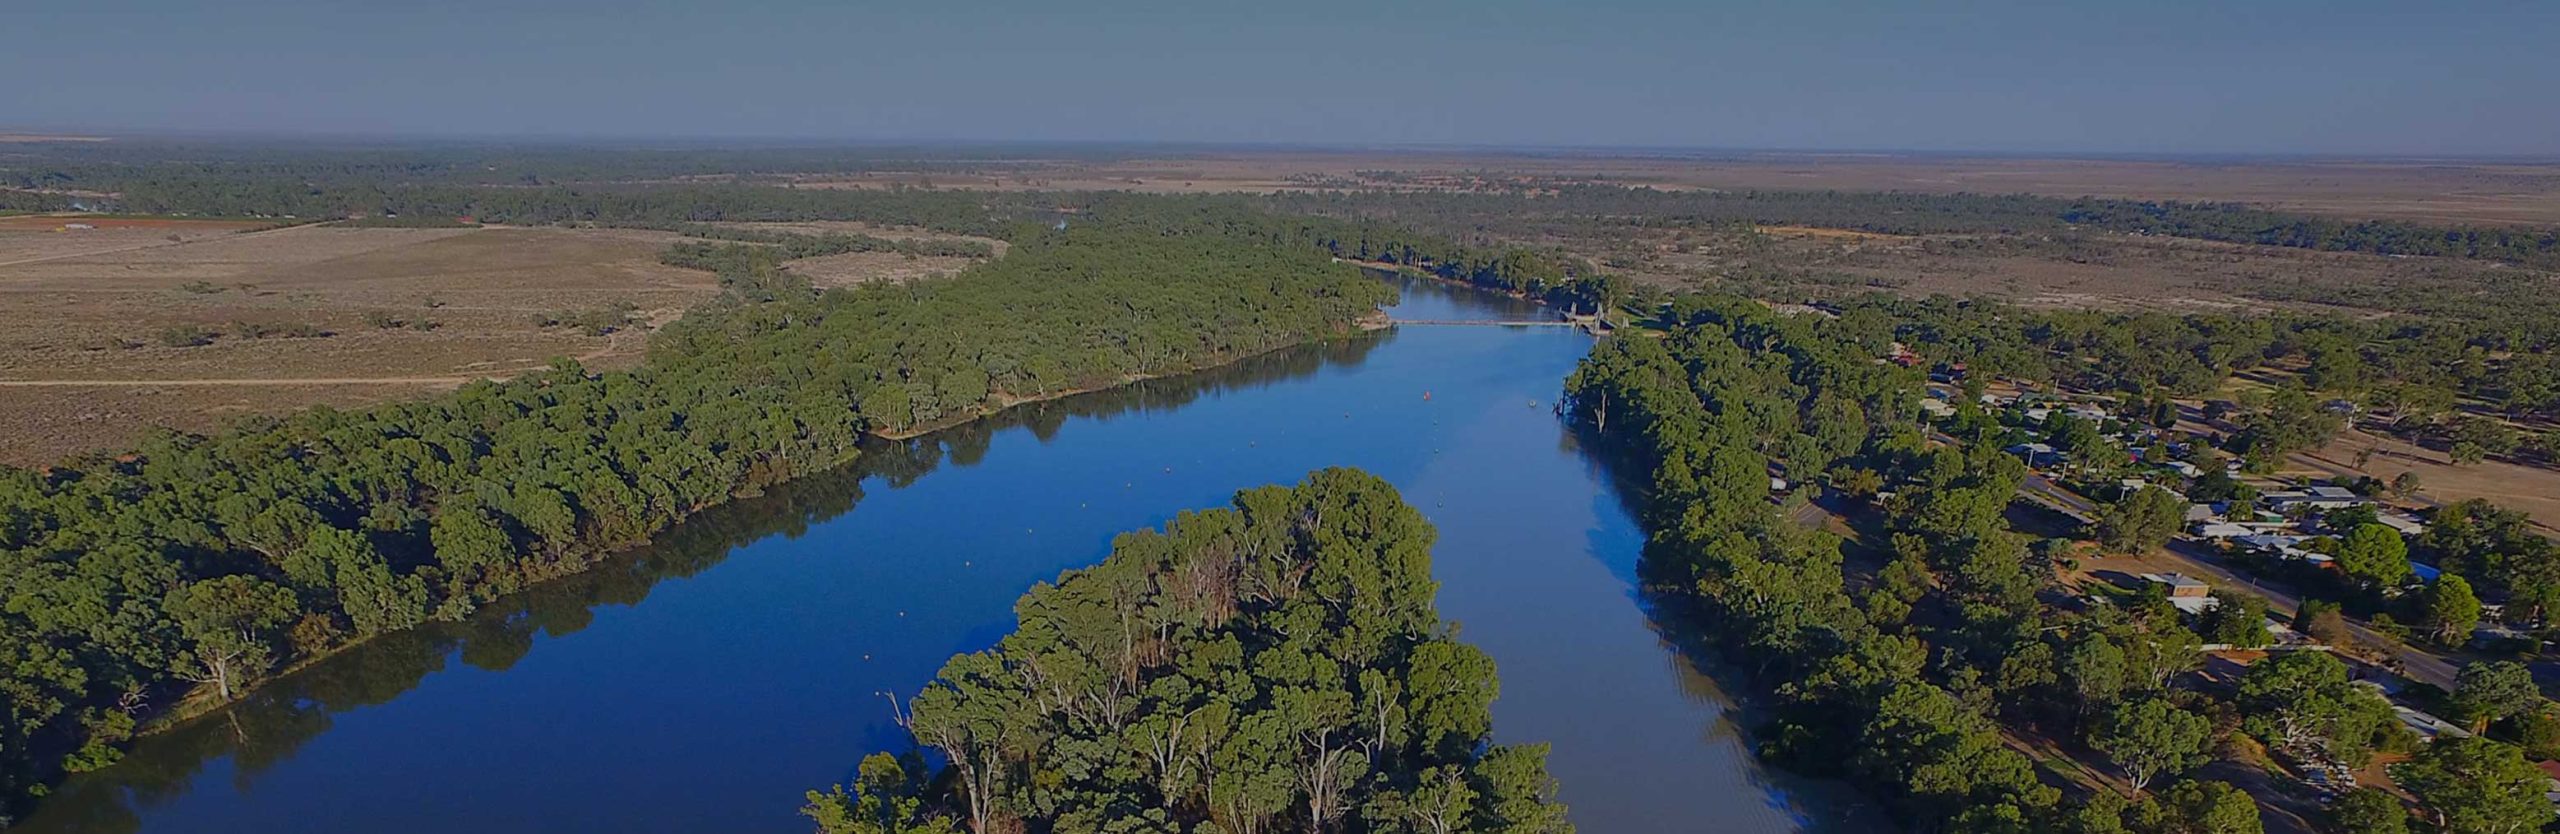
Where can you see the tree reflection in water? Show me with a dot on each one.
(272, 723)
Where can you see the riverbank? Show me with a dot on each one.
(754, 637)
(1365, 324)
(197, 704)
(422, 512)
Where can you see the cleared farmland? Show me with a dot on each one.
(107, 319)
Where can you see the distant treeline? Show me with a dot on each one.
(12, 200)
(527, 184)
(956, 212)
(1916, 213)
(203, 563)
(118, 165)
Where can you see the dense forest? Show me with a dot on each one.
(203, 563)
(11, 200)
(1903, 675)
(1276, 665)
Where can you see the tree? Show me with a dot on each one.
(2494, 691)
(2141, 521)
(2405, 484)
(2478, 786)
(2375, 555)
(2325, 621)
(1276, 662)
(2213, 486)
(2236, 619)
(2368, 811)
(2452, 611)
(2164, 413)
(232, 623)
(2209, 808)
(887, 798)
(2150, 738)
(2096, 668)
(2303, 700)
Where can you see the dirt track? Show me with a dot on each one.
(154, 383)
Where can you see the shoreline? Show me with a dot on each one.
(187, 710)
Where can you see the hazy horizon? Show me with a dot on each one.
(2288, 78)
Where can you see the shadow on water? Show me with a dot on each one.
(272, 723)
(1706, 675)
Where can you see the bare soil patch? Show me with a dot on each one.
(907, 233)
(2533, 490)
(853, 268)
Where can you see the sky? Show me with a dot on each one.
(2409, 78)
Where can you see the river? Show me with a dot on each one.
(703, 683)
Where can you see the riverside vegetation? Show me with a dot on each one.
(1276, 665)
(201, 564)
(1905, 679)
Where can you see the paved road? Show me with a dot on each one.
(2190, 557)
(2052, 496)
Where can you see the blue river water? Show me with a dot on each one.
(702, 684)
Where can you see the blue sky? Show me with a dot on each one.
(2168, 76)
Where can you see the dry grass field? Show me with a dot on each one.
(2102, 270)
(860, 267)
(2533, 490)
(106, 332)
(2435, 191)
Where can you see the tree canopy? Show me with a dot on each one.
(1275, 664)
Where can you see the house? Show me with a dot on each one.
(2407, 524)
(1937, 408)
(2185, 469)
(2319, 498)
(2222, 530)
(2267, 542)
(2037, 415)
(2091, 413)
(2551, 771)
(2428, 727)
(2203, 512)
(2036, 454)
(2181, 586)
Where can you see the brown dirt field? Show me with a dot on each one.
(71, 317)
(2439, 191)
(2086, 270)
(2533, 490)
(1826, 234)
(853, 268)
(861, 228)
(36, 237)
